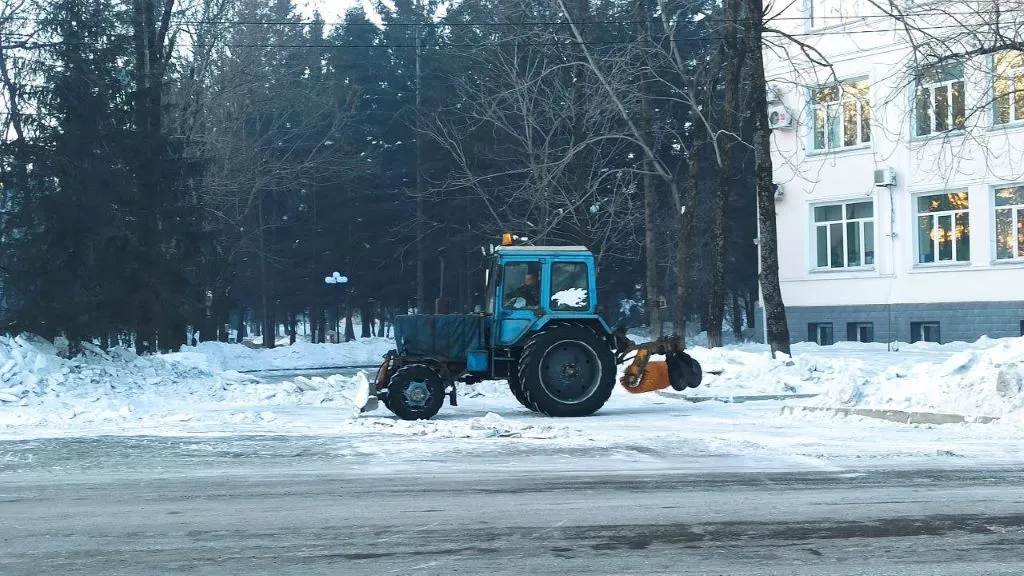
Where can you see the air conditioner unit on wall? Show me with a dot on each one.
(773, 94)
(779, 117)
(885, 177)
(779, 192)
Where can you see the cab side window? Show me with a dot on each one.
(520, 285)
(570, 289)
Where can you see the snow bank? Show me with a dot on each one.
(986, 379)
(983, 378)
(751, 371)
(219, 356)
(118, 391)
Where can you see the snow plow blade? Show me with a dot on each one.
(378, 386)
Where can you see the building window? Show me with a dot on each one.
(1008, 84)
(925, 332)
(1009, 222)
(832, 12)
(940, 100)
(844, 235)
(821, 333)
(943, 228)
(860, 332)
(842, 115)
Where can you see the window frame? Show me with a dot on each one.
(918, 85)
(845, 221)
(916, 214)
(528, 263)
(1015, 96)
(585, 266)
(815, 328)
(919, 326)
(1017, 226)
(814, 106)
(853, 331)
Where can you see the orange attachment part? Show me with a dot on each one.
(383, 374)
(632, 374)
(655, 377)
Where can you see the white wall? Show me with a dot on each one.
(983, 158)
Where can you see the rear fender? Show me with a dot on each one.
(595, 323)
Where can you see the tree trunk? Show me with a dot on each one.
(684, 245)
(421, 281)
(733, 57)
(241, 334)
(775, 309)
(350, 333)
(367, 316)
(737, 317)
(653, 293)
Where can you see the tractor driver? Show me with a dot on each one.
(529, 291)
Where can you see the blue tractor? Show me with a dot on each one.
(540, 331)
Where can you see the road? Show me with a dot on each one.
(286, 505)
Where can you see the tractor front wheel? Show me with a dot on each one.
(567, 371)
(415, 392)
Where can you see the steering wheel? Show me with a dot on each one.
(517, 302)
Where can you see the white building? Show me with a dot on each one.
(901, 184)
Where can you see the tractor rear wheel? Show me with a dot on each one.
(567, 371)
(517, 390)
(415, 392)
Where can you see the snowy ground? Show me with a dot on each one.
(201, 391)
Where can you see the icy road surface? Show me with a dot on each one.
(309, 506)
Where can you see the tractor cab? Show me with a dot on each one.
(531, 286)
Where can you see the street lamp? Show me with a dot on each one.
(336, 278)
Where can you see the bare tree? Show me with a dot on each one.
(734, 54)
(555, 173)
(771, 291)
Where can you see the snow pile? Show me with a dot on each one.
(30, 369)
(986, 379)
(118, 391)
(220, 356)
(751, 371)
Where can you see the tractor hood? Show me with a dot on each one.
(443, 337)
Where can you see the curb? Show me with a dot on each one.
(734, 399)
(898, 416)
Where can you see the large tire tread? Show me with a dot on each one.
(517, 391)
(401, 377)
(534, 351)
